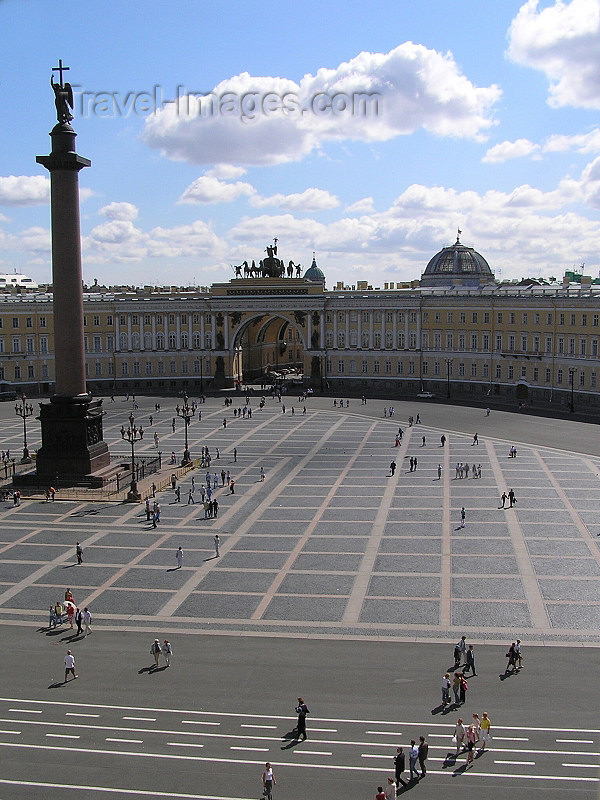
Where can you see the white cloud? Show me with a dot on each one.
(24, 190)
(225, 172)
(120, 211)
(581, 142)
(364, 204)
(308, 200)
(210, 190)
(506, 150)
(563, 41)
(372, 97)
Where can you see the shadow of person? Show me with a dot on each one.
(291, 737)
(210, 558)
(459, 771)
(449, 761)
(146, 669)
(438, 709)
(57, 685)
(172, 569)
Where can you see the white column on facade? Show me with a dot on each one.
(202, 331)
(166, 330)
(347, 329)
(213, 324)
(190, 332)
(371, 325)
(395, 330)
(129, 342)
(335, 329)
(406, 336)
(419, 330)
(142, 332)
(322, 316)
(383, 328)
(117, 333)
(359, 330)
(153, 319)
(178, 330)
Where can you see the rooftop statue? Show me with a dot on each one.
(63, 94)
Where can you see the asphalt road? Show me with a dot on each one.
(205, 727)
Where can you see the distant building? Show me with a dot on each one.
(458, 330)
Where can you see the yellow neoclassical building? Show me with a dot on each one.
(455, 332)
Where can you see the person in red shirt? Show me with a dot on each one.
(380, 794)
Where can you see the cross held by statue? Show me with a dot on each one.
(60, 69)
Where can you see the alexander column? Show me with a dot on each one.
(71, 423)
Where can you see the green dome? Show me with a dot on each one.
(314, 273)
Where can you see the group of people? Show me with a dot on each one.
(165, 650)
(68, 611)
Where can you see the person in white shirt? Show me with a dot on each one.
(390, 789)
(69, 665)
(87, 621)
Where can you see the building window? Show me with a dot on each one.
(30, 371)
(582, 378)
(136, 367)
(148, 368)
(461, 341)
(353, 366)
(341, 339)
(196, 340)
(499, 317)
(413, 316)
(436, 368)
(389, 316)
(389, 339)
(411, 367)
(511, 342)
(548, 375)
(123, 341)
(511, 372)
(561, 345)
(16, 344)
(171, 319)
(377, 337)
(147, 319)
(96, 320)
(425, 367)
(449, 316)
(524, 344)
(559, 376)
(486, 342)
(400, 367)
(511, 318)
(486, 371)
(376, 367)
(29, 322)
(124, 368)
(98, 368)
(161, 368)
(353, 339)
(365, 316)
(159, 319)
(449, 341)
(365, 367)
(401, 340)
(15, 322)
(473, 370)
(536, 344)
(438, 316)
(29, 344)
(524, 318)
(412, 341)
(43, 344)
(184, 341)
(43, 322)
(97, 344)
(548, 319)
(571, 345)
(582, 347)
(340, 366)
(473, 341)
(561, 319)
(593, 380)
(172, 341)
(160, 341)
(44, 371)
(523, 372)
(595, 320)
(461, 370)
(17, 372)
(548, 344)
(498, 342)
(463, 316)
(594, 347)
(437, 341)
(498, 371)
(536, 374)
(474, 317)
(184, 367)
(111, 368)
(184, 319)
(573, 319)
(584, 320)
(388, 367)
(329, 339)
(122, 320)
(172, 367)
(425, 316)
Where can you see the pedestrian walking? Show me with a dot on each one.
(392, 468)
(215, 503)
(519, 654)
(167, 651)
(476, 726)
(79, 553)
(460, 651)
(179, 557)
(475, 440)
(463, 689)
(456, 688)
(235, 455)
(217, 543)
(504, 498)
(446, 683)
(156, 650)
(268, 780)
(380, 793)
(178, 495)
(400, 766)
(459, 735)
(512, 659)
(70, 666)
(232, 486)
(191, 496)
(52, 619)
(423, 751)
(463, 515)
(302, 711)
(486, 726)
(511, 498)
(470, 665)
(262, 473)
(390, 789)
(173, 481)
(413, 755)
(439, 472)
(87, 621)
(222, 477)
(79, 621)
(148, 509)
(442, 440)
(71, 614)
(422, 441)
(470, 745)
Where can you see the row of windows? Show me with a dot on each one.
(452, 341)
(501, 372)
(16, 322)
(474, 317)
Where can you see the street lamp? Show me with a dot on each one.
(186, 412)
(572, 371)
(448, 370)
(133, 434)
(24, 410)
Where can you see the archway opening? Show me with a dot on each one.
(266, 349)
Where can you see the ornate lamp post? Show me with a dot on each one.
(24, 410)
(448, 371)
(572, 371)
(133, 434)
(186, 412)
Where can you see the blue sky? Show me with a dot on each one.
(484, 116)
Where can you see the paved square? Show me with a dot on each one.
(329, 537)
